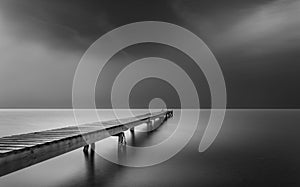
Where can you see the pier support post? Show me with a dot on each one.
(122, 139)
(150, 124)
(122, 153)
(86, 148)
(165, 118)
(132, 129)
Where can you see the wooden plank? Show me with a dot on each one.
(29, 138)
(21, 141)
(10, 147)
(4, 151)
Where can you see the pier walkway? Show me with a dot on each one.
(24, 150)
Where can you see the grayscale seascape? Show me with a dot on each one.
(253, 148)
(166, 93)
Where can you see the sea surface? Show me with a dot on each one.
(253, 148)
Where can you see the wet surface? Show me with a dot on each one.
(253, 148)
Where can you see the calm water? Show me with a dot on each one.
(254, 148)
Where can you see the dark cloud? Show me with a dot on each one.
(77, 23)
(59, 24)
(130, 54)
(256, 43)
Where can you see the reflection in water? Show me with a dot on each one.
(90, 163)
(133, 143)
(122, 154)
(253, 148)
(141, 137)
(101, 172)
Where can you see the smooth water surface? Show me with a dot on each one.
(253, 148)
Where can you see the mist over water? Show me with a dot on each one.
(253, 148)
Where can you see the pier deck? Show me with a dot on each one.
(20, 151)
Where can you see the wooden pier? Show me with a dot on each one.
(20, 151)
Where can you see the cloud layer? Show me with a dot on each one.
(256, 43)
(269, 28)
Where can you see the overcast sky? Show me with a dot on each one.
(256, 43)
